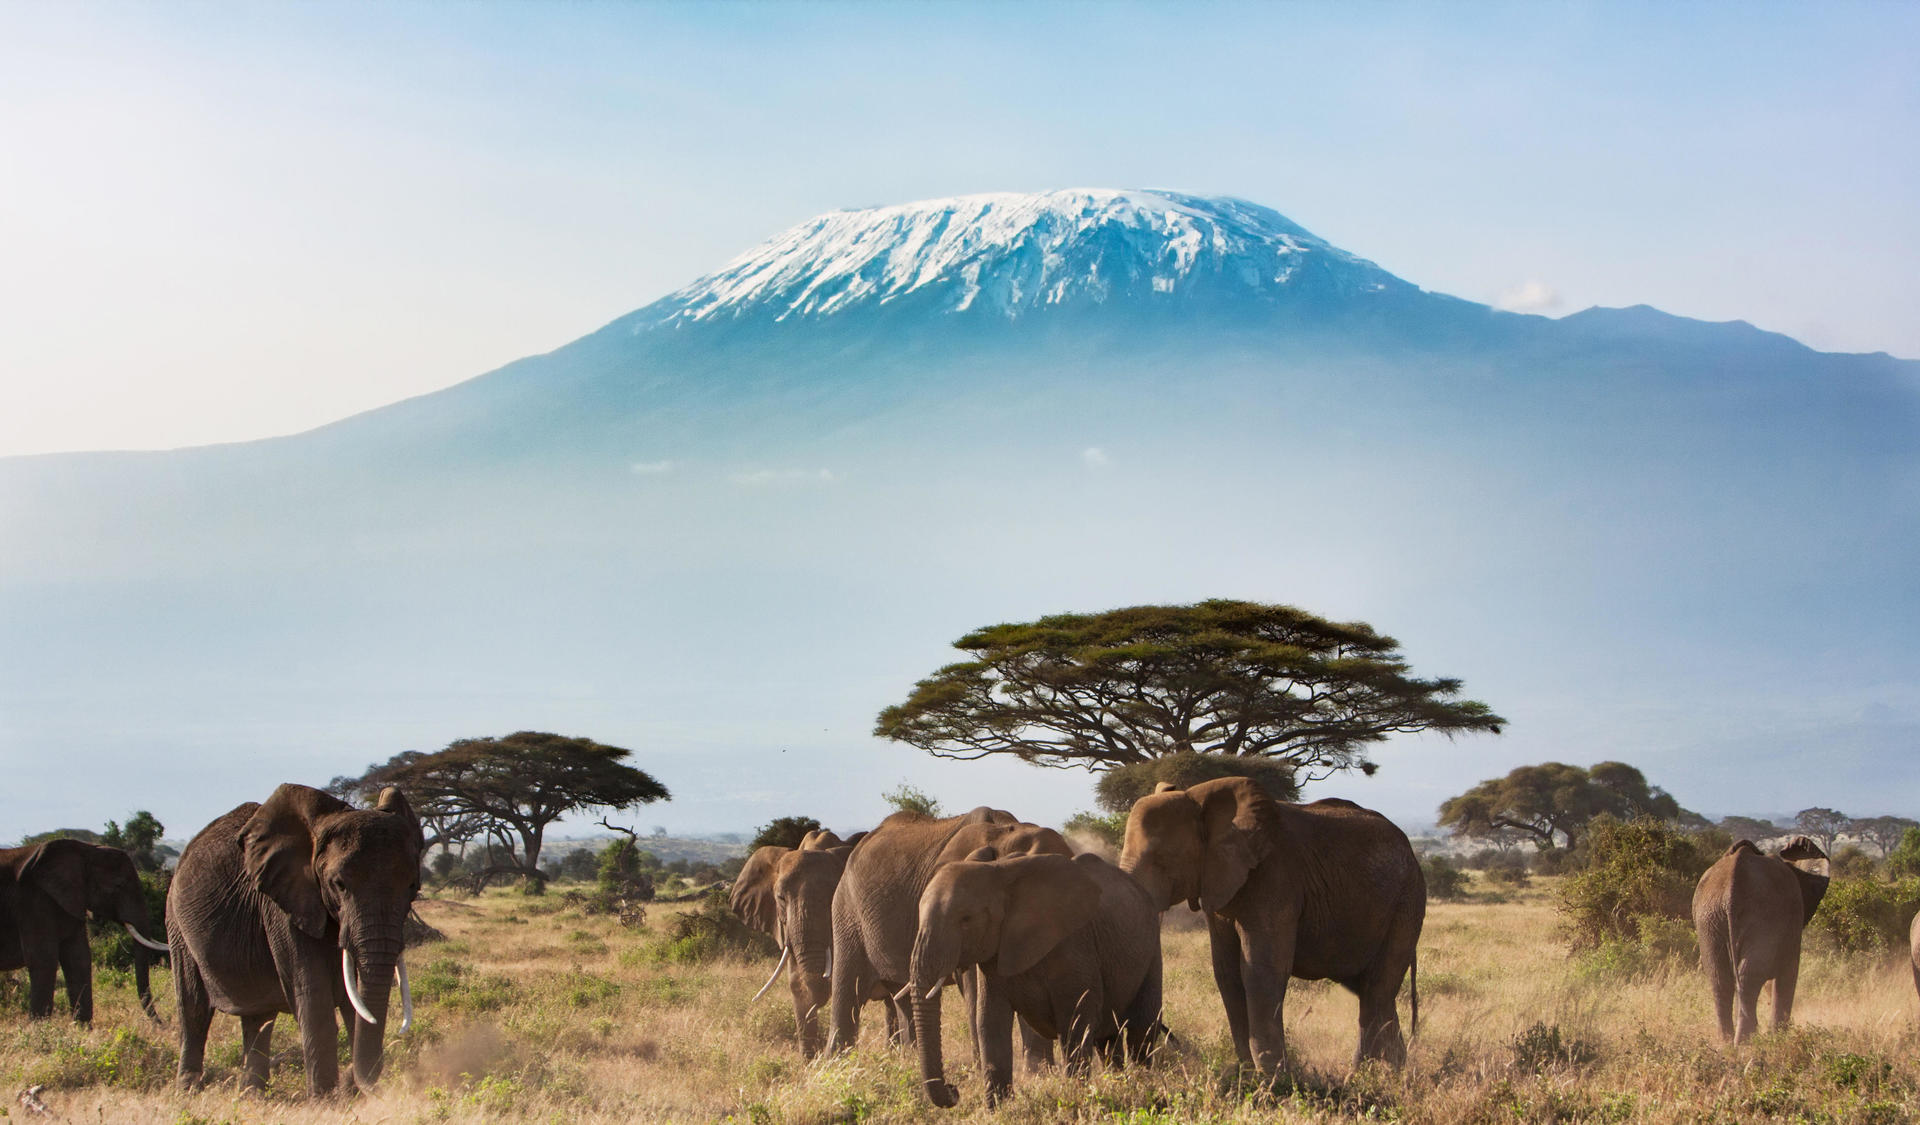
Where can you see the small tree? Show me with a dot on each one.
(1883, 832)
(1232, 678)
(1824, 825)
(512, 788)
(908, 798)
(784, 832)
(1748, 828)
(1558, 799)
(140, 839)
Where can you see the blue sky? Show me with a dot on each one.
(228, 221)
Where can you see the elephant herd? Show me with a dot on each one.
(297, 905)
(1067, 948)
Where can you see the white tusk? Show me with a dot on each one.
(406, 998)
(778, 965)
(145, 940)
(932, 992)
(901, 996)
(353, 986)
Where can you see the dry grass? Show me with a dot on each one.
(533, 1012)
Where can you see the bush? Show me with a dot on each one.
(1512, 874)
(1118, 789)
(1904, 860)
(907, 798)
(1560, 861)
(1444, 880)
(712, 931)
(1108, 828)
(1851, 862)
(1867, 915)
(784, 832)
(113, 946)
(1635, 868)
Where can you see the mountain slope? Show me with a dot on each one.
(729, 527)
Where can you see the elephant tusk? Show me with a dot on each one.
(932, 992)
(406, 998)
(353, 986)
(905, 989)
(145, 940)
(778, 965)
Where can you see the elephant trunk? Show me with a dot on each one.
(811, 938)
(936, 953)
(369, 980)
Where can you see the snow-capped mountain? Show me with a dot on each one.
(1007, 254)
(738, 521)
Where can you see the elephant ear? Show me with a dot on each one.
(1236, 842)
(752, 897)
(1047, 900)
(395, 803)
(276, 845)
(59, 869)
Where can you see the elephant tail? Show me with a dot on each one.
(1413, 993)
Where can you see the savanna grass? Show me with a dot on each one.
(533, 1011)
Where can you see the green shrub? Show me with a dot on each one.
(449, 984)
(1635, 868)
(1511, 872)
(1904, 860)
(1560, 861)
(1545, 1046)
(1851, 862)
(1444, 880)
(1658, 944)
(785, 832)
(908, 798)
(1108, 828)
(711, 931)
(127, 1060)
(1867, 915)
(1118, 789)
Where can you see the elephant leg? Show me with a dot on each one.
(1140, 1023)
(1783, 986)
(1266, 964)
(1036, 1050)
(1380, 1036)
(76, 966)
(309, 977)
(196, 1016)
(43, 966)
(256, 1049)
(1720, 977)
(995, 1012)
(1226, 977)
(1748, 981)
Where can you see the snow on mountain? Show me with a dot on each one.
(1009, 253)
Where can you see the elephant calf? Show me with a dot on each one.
(1071, 946)
(1748, 912)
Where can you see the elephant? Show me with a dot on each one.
(876, 907)
(296, 905)
(1913, 940)
(46, 893)
(787, 893)
(1322, 891)
(1071, 946)
(1748, 911)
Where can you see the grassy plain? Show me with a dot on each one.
(534, 1012)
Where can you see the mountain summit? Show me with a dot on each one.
(1007, 254)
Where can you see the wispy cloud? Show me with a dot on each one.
(1531, 295)
(1095, 457)
(650, 468)
(760, 478)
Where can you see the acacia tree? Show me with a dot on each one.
(512, 788)
(1748, 828)
(1555, 798)
(1230, 678)
(1883, 832)
(1824, 825)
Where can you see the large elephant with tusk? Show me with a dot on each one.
(46, 893)
(296, 905)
